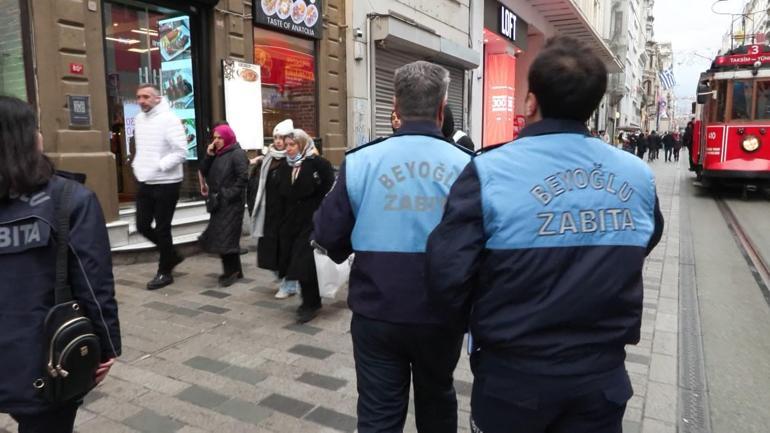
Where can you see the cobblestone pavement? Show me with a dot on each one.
(197, 358)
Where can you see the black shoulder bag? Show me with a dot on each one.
(72, 348)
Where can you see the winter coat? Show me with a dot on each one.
(668, 141)
(267, 246)
(161, 146)
(301, 198)
(28, 264)
(226, 176)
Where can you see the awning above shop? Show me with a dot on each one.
(396, 33)
(568, 19)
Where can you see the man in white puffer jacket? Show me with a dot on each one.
(161, 149)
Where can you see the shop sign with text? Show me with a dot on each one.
(506, 23)
(302, 17)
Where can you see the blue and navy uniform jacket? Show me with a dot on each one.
(388, 197)
(542, 246)
(28, 266)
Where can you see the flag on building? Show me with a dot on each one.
(667, 78)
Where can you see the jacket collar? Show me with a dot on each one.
(419, 127)
(554, 126)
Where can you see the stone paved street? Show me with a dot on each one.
(198, 358)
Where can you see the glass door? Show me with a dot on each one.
(146, 43)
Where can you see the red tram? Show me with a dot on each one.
(731, 134)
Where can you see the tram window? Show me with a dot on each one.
(742, 100)
(763, 100)
(721, 90)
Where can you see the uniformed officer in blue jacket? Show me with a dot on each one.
(28, 215)
(388, 197)
(542, 245)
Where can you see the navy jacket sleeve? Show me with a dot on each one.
(333, 222)
(658, 231)
(90, 270)
(455, 246)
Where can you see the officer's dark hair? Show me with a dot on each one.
(448, 127)
(568, 79)
(420, 89)
(23, 168)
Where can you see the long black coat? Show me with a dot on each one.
(301, 198)
(226, 176)
(275, 210)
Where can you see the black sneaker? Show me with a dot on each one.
(306, 314)
(160, 281)
(229, 280)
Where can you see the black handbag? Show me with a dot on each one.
(212, 202)
(72, 348)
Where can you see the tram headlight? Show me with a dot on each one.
(750, 143)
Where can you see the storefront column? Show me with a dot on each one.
(69, 60)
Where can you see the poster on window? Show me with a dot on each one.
(499, 96)
(243, 102)
(177, 83)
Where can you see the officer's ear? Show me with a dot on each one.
(532, 108)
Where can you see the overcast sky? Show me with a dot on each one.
(693, 29)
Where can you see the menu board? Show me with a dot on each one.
(176, 77)
(243, 102)
(296, 16)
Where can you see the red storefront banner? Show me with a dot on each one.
(499, 94)
(284, 67)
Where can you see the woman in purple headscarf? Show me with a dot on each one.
(226, 171)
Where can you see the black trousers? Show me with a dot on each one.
(538, 404)
(158, 203)
(676, 154)
(669, 153)
(387, 356)
(231, 263)
(311, 296)
(59, 420)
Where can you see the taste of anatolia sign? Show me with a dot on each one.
(301, 17)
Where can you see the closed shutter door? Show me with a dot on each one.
(386, 63)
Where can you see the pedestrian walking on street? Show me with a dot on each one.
(161, 150)
(267, 206)
(677, 146)
(450, 133)
(225, 168)
(668, 146)
(304, 182)
(388, 197)
(653, 144)
(31, 198)
(541, 248)
(687, 140)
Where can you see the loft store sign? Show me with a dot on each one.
(502, 20)
(508, 23)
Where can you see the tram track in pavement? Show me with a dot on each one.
(757, 264)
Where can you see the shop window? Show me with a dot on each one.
(288, 80)
(145, 43)
(12, 72)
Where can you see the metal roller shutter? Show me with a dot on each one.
(386, 63)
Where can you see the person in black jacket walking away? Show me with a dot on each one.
(304, 182)
(28, 215)
(668, 146)
(226, 171)
(653, 144)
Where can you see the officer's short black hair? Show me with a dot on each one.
(568, 79)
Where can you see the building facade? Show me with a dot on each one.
(628, 21)
(87, 58)
(508, 55)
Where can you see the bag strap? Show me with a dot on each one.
(62, 199)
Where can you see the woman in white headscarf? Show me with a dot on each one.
(305, 180)
(266, 205)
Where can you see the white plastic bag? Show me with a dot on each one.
(331, 276)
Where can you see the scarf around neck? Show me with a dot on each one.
(258, 216)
